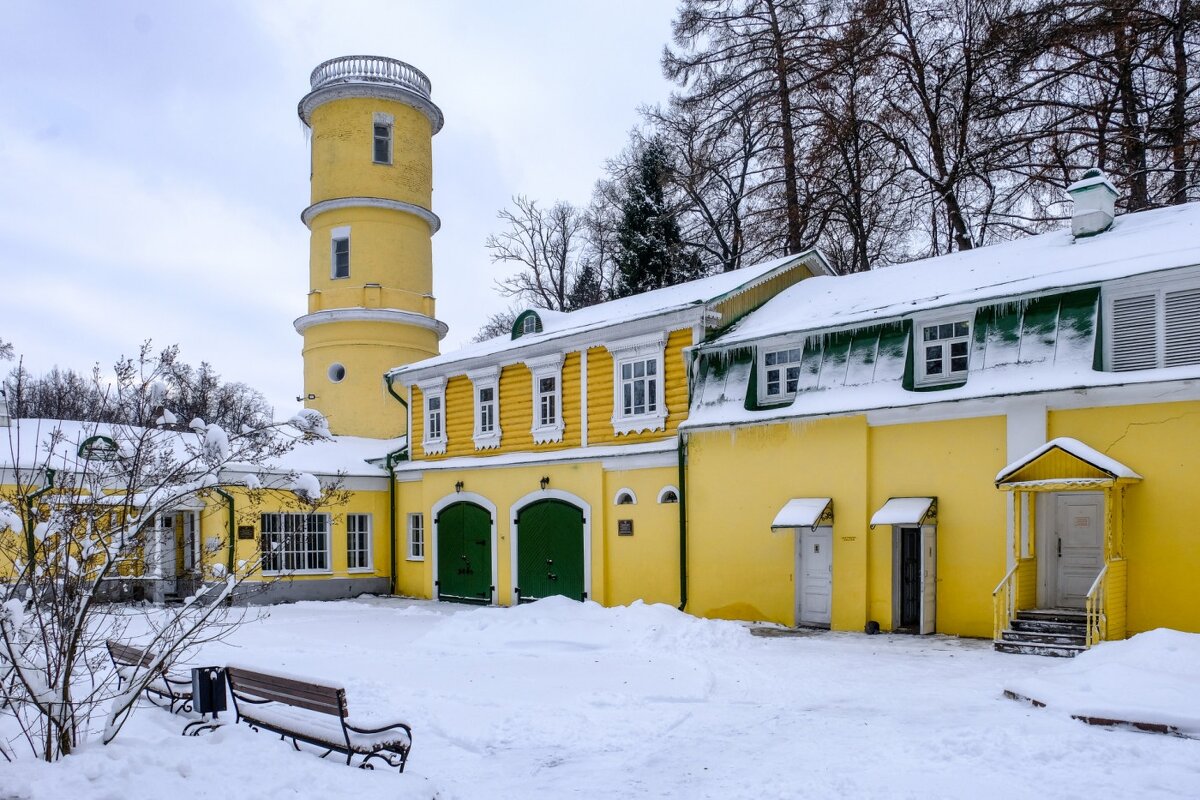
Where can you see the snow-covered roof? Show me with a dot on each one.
(1073, 447)
(558, 325)
(902, 511)
(801, 512)
(36, 437)
(1148, 241)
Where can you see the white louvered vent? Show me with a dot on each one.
(1182, 323)
(1133, 333)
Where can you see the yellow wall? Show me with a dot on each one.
(390, 248)
(955, 461)
(1162, 531)
(342, 152)
(360, 404)
(644, 566)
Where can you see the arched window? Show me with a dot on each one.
(625, 497)
(668, 494)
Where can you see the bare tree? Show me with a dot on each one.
(80, 516)
(544, 244)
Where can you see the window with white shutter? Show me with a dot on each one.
(1154, 324)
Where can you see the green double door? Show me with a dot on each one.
(550, 551)
(464, 550)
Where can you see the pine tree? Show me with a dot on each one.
(650, 251)
(586, 290)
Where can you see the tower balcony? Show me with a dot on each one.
(370, 76)
(370, 69)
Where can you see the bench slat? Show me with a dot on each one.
(314, 697)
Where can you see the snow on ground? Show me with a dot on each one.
(1153, 677)
(565, 700)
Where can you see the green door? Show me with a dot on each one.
(550, 551)
(464, 551)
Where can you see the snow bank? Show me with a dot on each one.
(560, 623)
(1150, 678)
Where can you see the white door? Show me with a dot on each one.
(928, 579)
(814, 568)
(1078, 546)
(191, 542)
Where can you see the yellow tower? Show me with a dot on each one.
(370, 300)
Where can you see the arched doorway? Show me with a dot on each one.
(551, 555)
(464, 551)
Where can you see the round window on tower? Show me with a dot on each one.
(337, 373)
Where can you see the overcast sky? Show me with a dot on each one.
(153, 168)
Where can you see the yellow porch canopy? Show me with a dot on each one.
(1063, 464)
(804, 512)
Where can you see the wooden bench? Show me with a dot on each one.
(176, 690)
(304, 711)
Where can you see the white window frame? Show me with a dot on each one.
(387, 121)
(629, 351)
(433, 390)
(764, 369)
(920, 376)
(623, 492)
(365, 548)
(281, 521)
(481, 380)
(339, 234)
(547, 367)
(416, 537)
(1156, 288)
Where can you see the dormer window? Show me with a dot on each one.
(781, 374)
(529, 324)
(1152, 324)
(943, 350)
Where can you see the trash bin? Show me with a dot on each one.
(208, 690)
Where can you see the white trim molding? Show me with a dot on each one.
(434, 388)
(649, 348)
(486, 379)
(540, 368)
(392, 315)
(312, 212)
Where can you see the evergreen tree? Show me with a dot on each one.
(586, 291)
(650, 252)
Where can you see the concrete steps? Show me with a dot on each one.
(1055, 632)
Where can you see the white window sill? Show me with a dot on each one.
(434, 447)
(548, 433)
(360, 570)
(957, 377)
(645, 423)
(287, 572)
(487, 441)
(415, 558)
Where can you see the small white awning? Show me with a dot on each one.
(804, 512)
(905, 511)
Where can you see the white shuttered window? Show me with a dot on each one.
(1154, 327)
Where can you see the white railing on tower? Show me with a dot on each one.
(370, 69)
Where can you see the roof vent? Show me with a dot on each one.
(1095, 201)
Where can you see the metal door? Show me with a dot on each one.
(1079, 546)
(464, 553)
(550, 551)
(815, 570)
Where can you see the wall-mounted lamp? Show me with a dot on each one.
(458, 487)
(545, 481)
(300, 398)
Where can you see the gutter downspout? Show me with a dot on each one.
(392, 459)
(683, 581)
(228, 498)
(30, 499)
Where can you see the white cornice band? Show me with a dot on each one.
(392, 315)
(383, 91)
(430, 218)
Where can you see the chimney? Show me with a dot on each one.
(1095, 201)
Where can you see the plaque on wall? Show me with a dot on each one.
(245, 532)
(624, 527)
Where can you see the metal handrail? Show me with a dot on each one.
(370, 69)
(1003, 609)
(1094, 609)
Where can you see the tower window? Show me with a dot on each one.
(337, 373)
(383, 144)
(341, 257)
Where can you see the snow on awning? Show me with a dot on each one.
(1065, 459)
(906, 511)
(804, 512)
